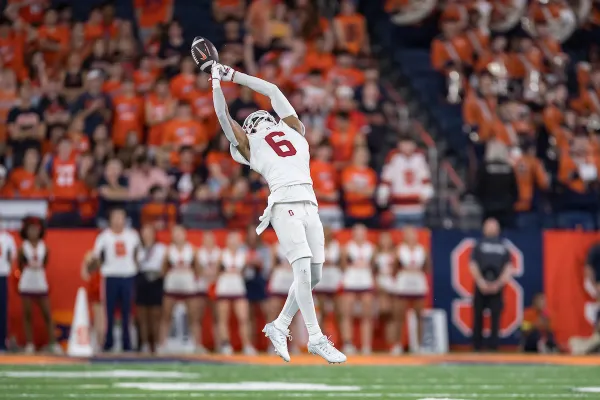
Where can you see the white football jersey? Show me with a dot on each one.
(280, 155)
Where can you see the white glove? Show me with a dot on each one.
(228, 73)
(216, 74)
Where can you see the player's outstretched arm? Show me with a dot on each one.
(233, 131)
(280, 103)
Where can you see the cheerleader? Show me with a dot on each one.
(33, 286)
(385, 265)
(149, 256)
(411, 283)
(179, 270)
(90, 273)
(358, 285)
(209, 260)
(331, 278)
(230, 291)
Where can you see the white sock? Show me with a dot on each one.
(290, 308)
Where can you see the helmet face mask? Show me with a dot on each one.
(258, 120)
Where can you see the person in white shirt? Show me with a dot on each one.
(411, 286)
(358, 284)
(33, 285)
(115, 247)
(149, 256)
(230, 290)
(8, 255)
(180, 271)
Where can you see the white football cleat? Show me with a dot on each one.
(396, 350)
(29, 348)
(250, 351)
(56, 349)
(226, 349)
(324, 347)
(279, 340)
(349, 349)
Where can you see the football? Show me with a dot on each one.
(204, 53)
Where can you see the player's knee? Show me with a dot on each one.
(316, 274)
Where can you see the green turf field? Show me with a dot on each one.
(184, 381)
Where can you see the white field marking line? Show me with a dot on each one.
(118, 373)
(235, 387)
(291, 395)
(62, 385)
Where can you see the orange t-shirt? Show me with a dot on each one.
(144, 80)
(112, 87)
(343, 145)
(161, 215)
(128, 116)
(239, 211)
(202, 106)
(152, 12)
(183, 133)
(7, 101)
(352, 77)
(94, 32)
(65, 185)
(444, 51)
(358, 205)
(325, 180)
(55, 34)
(159, 109)
(32, 13)
(353, 27)
(321, 61)
(23, 182)
(530, 174)
(12, 49)
(228, 166)
(567, 167)
(182, 85)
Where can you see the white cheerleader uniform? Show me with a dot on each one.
(230, 283)
(208, 259)
(384, 264)
(180, 280)
(411, 280)
(358, 276)
(331, 278)
(282, 276)
(33, 276)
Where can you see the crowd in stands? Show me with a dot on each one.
(109, 111)
(527, 76)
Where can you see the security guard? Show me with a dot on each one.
(491, 269)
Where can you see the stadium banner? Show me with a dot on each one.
(66, 252)
(453, 284)
(572, 310)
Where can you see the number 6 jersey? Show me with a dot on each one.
(281, 156)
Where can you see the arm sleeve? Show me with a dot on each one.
(280, 103)
(221, 110)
